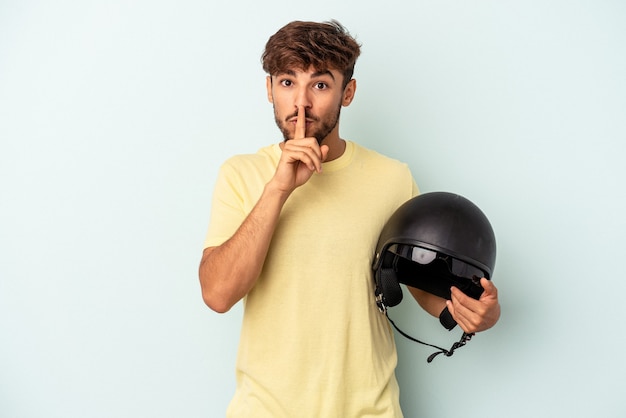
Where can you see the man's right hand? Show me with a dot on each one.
(301, 157)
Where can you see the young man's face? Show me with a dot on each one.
(322, 95)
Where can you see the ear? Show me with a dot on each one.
(268, 86)
(348, 93)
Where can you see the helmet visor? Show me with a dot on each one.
(436, 276)
(425, 256)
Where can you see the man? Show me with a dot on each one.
(293, 231)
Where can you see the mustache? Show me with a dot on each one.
(306, 115)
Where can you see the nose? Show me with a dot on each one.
(302, 98)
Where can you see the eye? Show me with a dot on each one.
(320, 85)
(285, 83)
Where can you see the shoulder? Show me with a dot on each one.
(265, 158)
(244, 176)
(385, 174)
(375, 158)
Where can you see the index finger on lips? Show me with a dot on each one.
(300, 124)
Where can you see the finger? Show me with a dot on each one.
(463, 304)
(466, 303)
(450, 307)
(456, 311)
(307, 152)
(490, 289)
(454, 304)
(300, 123)
(460, 314)
(457, 294)
(475, 315)
(324, 149)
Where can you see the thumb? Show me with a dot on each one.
(324, 149)
(490, 290)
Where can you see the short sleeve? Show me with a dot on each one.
(227, 208)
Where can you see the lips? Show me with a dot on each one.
(307, 121)
(294, 120)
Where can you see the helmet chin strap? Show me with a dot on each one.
(388, 293)
(465, 338)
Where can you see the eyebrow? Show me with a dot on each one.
(314, 75)
(321, 73)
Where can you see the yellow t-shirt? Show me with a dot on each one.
(313, 343)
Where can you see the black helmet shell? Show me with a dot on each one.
(444, 222)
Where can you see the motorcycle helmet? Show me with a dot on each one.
(432, 242)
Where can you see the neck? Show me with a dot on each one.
(336, 147)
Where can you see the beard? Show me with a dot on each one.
(326, 126)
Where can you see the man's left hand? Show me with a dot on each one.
(475, 315)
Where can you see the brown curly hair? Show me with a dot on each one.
(301, 45)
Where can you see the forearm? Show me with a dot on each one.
(430, 303)
(228, 272)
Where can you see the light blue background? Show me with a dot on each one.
(114, 118)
